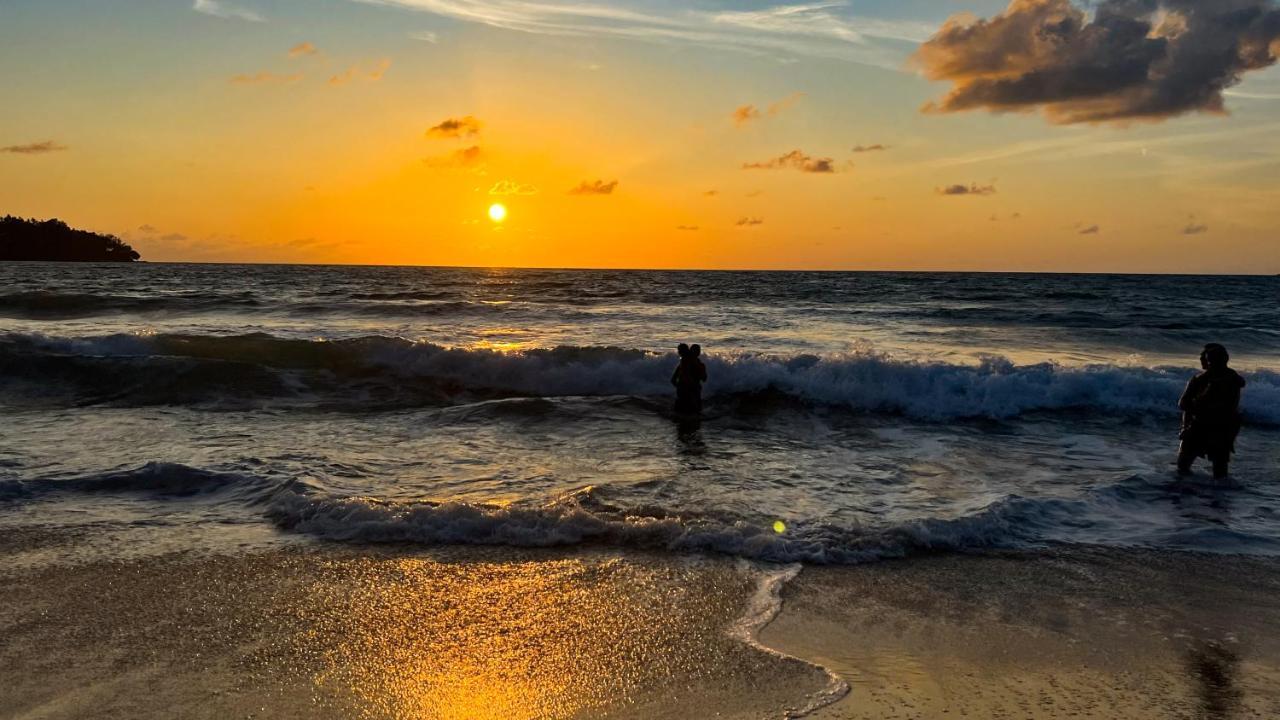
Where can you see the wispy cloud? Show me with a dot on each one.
(1195, 228)
(36, 148)
(227, 11)
(749, 221)
(1091, 230)
(869, 148)
(425, 36)
(744, 114)
(465, 126)
(971, 189)
(816, 29)
(796, 159)
(508, 187)
(302, 49)
(264, 78)
(687, 228)
(359, 72)
(466, 157)
(594, 187)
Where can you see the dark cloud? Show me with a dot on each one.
(970, 189)
(594, 187)
(1091, 230)
(869, 148)
(711, 193)
(147, 229)
(36, 148)
(1195, 228)
(455, 127)
(689, 228)
(797, 160)
(1131, 60)
(749, 221)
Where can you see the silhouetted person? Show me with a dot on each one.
(688, 379)
(1210, 413)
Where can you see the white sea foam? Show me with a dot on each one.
(868, 381)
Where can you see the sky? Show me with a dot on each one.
(1037, 135)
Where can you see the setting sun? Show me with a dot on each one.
(497, 212)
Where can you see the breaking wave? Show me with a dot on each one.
(1105, 515)
(178, 369)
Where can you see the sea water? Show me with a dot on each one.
(849, 417)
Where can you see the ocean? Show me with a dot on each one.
(849, 417)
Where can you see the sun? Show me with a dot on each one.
(497, 212)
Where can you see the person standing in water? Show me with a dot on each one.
(1210, 413)
(688, 378)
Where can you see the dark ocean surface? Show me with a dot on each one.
(849, 416)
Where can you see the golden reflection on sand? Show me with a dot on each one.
(416, 638)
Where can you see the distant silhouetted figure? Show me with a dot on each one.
(1210, 413)
(688, 379)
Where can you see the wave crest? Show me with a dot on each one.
(374, 369)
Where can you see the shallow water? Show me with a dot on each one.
(849, 416)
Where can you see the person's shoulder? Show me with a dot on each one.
(1236, 377)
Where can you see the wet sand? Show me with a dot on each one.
(390, 632)
(1060, 634)
(454, 633)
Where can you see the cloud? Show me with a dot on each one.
(869, 148)
(594, 187)
(148, 229)
(425, 36)
(302, 49)
(264, 78)
(795, 159)
(1194, 228)
(35, 148)
(357, 72)
(1130, 60)
(174, 238)
(820, 28)
(226, 11)
(466, 157)
(711, 193)
(507, 187)
(971, 189)
(1090, 230)
(744, 114)
(455, 127)
(687, 228)
(749, 221)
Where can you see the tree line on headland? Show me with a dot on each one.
(23, 239)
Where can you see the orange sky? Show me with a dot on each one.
(277, 132)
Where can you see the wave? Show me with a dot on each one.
(1110, 515)
(379, 370)
(54, 305)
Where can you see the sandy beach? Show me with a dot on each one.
(494, 633)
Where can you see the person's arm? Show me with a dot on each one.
(702, 372)
(1186, 402)
(675, 377)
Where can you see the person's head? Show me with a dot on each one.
(682, 349)
(695, 350)
(1214, 356)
